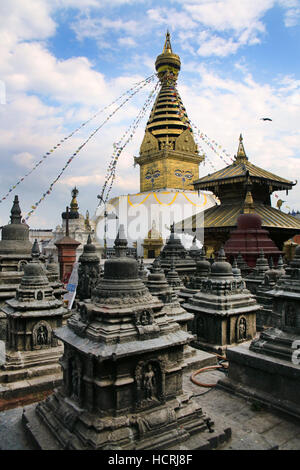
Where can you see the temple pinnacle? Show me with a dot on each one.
(241, 154)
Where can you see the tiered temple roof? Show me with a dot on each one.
(242, 187)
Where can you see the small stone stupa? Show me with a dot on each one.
(256, 277)
(268, 370)
(89, 271)
(173, 278)
(265, 298)
(123, 366)
(202, 272)
(224, 310)
(52, 272)
(32, 351)
(159, 286)
(15, 252)
(174, 250)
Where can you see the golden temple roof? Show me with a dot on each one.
(240, 170)
(225, 216)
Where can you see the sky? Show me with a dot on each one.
(64, 60)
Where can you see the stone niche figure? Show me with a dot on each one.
(242, 329)
(149, 382)
(42, 335)
(149, 378)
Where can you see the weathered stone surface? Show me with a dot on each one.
(122, 368)
(268, 368)
(89, 271)
(263, 378)
(32, 351)
(174, 250)
(224, 310)
(15, 252)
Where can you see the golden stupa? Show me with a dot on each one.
(169, 162)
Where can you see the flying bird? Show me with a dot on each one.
(265, 119)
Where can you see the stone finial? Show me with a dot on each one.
(121, 243)
(15, 212)
(35, 252)
(235, 269)
(156, 266)
(89, 240)
(221, 254)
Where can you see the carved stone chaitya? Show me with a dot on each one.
(173, 278)
(256, 277)
(224, 310)
(122, 366)
(201, 273)
(32, 352)
(265, 298)
(175, 251)
(268, 370)
(89, 271)
(15, 252)
(52, 272)
(158, 286)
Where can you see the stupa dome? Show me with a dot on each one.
(221, 267)
(121, 268)
(248, 222)
(15, 235)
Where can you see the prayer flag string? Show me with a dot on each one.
(213, 145)
(121, 144)
(46, 193)
(130, 92)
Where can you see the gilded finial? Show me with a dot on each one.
(167, 64)
(241, 154)
(74, 204)
(167, 46)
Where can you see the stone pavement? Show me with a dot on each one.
(253, 427)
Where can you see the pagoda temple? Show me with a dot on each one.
(242, 188)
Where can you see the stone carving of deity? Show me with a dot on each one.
(42, 335)
(242, 329)
(149, 382)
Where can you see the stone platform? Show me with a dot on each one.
(269, 380)
(253, 428)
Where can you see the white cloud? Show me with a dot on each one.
(127, 42)
(23, 159)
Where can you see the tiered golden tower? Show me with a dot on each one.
(169, 156)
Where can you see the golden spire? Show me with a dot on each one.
(167, 47)
(167, 64)
(168, 152)
(241, 154)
